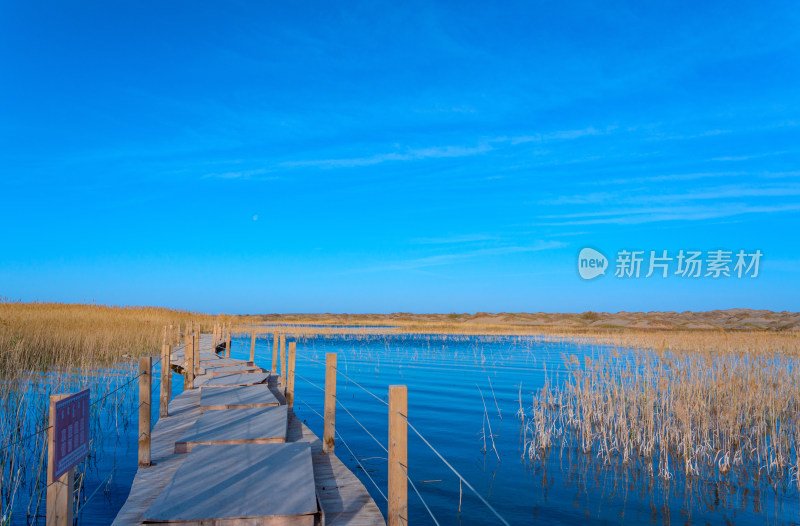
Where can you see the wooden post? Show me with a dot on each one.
(253, 347)
(165, 384)
(328, 441)
(283, 362)
(398, 455)
(275, 339)
(188, 363)
(196, 353)
(214, 348)
(169, 373)
(228, 347)
(290, 377)
(59, 492)
(145, 386)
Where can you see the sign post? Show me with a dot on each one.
(67, 445)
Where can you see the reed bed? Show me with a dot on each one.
(50, 348)
(36, 336)
(720, 417)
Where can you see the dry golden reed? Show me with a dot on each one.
(710, 416)
(36, 336)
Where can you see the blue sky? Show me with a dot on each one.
(381, 157)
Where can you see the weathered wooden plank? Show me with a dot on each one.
(184, 409)
(239, 482)
(237, 397)
(236, 426)
(231, 379)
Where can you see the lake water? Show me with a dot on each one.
(462, 392)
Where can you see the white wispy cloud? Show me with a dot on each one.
(241, 174)
(464, 238)
(446, 259)
(438, 152)
(435, 152)
(691, 194)
(560, 135)
(661, 214)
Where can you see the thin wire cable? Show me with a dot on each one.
(350, 450)
(310, 382)
(26, 437)
(454, 471)
(361, 466)
(362, 425)
(106, 481)
(420, 496)
(115, 390)
(378, 398)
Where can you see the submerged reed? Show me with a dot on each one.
(705, 416)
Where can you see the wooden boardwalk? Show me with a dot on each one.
(239, 479)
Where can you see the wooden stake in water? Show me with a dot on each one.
(290, 377)
(188, 363)
(283, 362)
(196, 353)
(398, 455)
(275, 339)
(328, 441)
(59, 492)
(228, 344)
(253, 347)
(145, 393)
(165, 383)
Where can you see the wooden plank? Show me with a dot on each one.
(342, 496)
(184, 409)
(231, 379)
(236, 426)
(237, 397)
(212, 371)
(239, 482)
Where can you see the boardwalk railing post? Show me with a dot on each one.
(214, 348)
(165, 383)
(60, 491)
(228, 344)
(196, 353)
(283, 362)
(145, 386)
(253, 347)
(290, 377)
(188, 363)
(328, 442)
(275, 339)
(398, 455)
